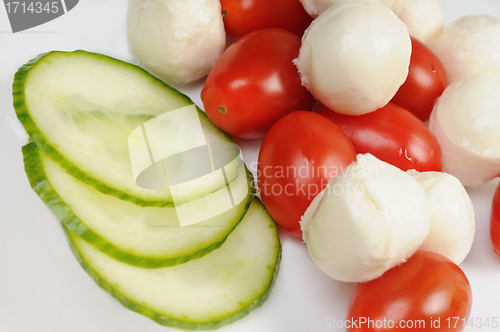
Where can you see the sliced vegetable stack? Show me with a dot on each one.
(145, 237)
(79, 109)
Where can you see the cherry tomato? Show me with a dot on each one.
(393, 135)
(254, 83)
(495, 221)
(425, 293)
(244, 16)
(425, 83)
(301, 152)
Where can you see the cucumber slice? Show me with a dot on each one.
(80, 108)
(148, 237)
(206, 293)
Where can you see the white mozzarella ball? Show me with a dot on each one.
(316, 7)
(452, 226)
(372, 217)
(355, 56)
(466, 124)
(176, 40)
(470, 45)
(423, 18)
(306, 219)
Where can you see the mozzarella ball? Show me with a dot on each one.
(178, 41)
(306, 219)
(316, 7)
(355, 56)
(470, 45)
(452, 225)
(466, 124)
(372, 217)
(423, 18)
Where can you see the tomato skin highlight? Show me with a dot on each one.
(495, 221)
(244, 16)
(426, 81)
(428, 285)
(254, 83)
(393, 135)
(310, 150)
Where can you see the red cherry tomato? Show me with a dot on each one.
(425, 293)
(254, 83)
(393, 135)
(244, 16)
(301, 152)
(425, 83)
(495, 221)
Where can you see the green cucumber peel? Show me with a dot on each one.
(39, 136)
(244, 306)
(35, 171)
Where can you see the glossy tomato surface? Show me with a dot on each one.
(495, 221)
(393, 135)
(426, 293)
(254, 83)
(244, 16)
(426, 81)
(301, 152)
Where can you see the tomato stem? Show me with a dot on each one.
(222, 109)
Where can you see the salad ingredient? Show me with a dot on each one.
(298, 157)
(316, 7)
(242, 17)
(470, 45)
(452, 216)
(176, 40)
(372, 217)
(427, 292)
(391, 134)
(466, 125)
(255, 83)
(80, 109)
(423, 18)
(205, 293)
(306, 219)
(145, 237)
(495, 221)
(426, 81)
(131, 250)
(355, 56)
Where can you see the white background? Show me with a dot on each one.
(42, 286)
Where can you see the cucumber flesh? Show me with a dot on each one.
(149, 237)
(206, 293)
(80, 109)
